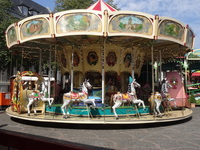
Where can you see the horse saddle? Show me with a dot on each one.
(165, 95)
(158, 96)
(35, 94)
(74, 95)
(125, 96)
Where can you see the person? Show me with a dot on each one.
(67, 86)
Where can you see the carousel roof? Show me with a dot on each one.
(193, 55)
(121, 33)
(196, 74)
(100, 5)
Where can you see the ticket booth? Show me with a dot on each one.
(4, 100)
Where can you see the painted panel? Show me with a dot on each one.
(111, 59)
(35, 27)
(11, 35)
(78, 22)
(92, 58)
(189, 39)
(171, 29)
(131, 24)
(127, 60)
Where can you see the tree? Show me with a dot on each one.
(61, 5)
(5, 20)
(111, 3)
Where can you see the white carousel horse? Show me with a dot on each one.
(155, 101)
(70, 97)
(165, 92)
(120, 98)
(35, 96)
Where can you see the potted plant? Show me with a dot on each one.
(192, 100)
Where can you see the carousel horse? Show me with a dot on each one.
(120, 98)
(70, 97)
(165, 92)
(155, 103)
(35, 96)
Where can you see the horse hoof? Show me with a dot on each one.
(64, 117)
(117, 118)
(28, 114)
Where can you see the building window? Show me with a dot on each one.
(23, 10)
(35, 12)
(32, 13)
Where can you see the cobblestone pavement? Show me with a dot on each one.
(182, 135)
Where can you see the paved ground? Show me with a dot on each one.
(180, 135)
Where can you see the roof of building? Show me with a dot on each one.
(31, 5)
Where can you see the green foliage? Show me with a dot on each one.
(198, 102)
(192, 99)
(62, 5)
(111, 3)
(5, 20)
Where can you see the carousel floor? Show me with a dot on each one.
(171, 116)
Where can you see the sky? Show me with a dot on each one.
(185, 11)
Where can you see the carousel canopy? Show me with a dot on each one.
(196, 74)
(127, 38)
(100, 5)
(193, 55)
(193, 58)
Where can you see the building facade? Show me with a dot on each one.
(21, 9)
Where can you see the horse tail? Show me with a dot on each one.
(111, 102)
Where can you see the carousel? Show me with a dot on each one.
(113, 63)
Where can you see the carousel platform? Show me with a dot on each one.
(141, 118)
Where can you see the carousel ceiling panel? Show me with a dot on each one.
(35, 27)
(171, 30)
(131, 25)
(11, 35)
(78, 23)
